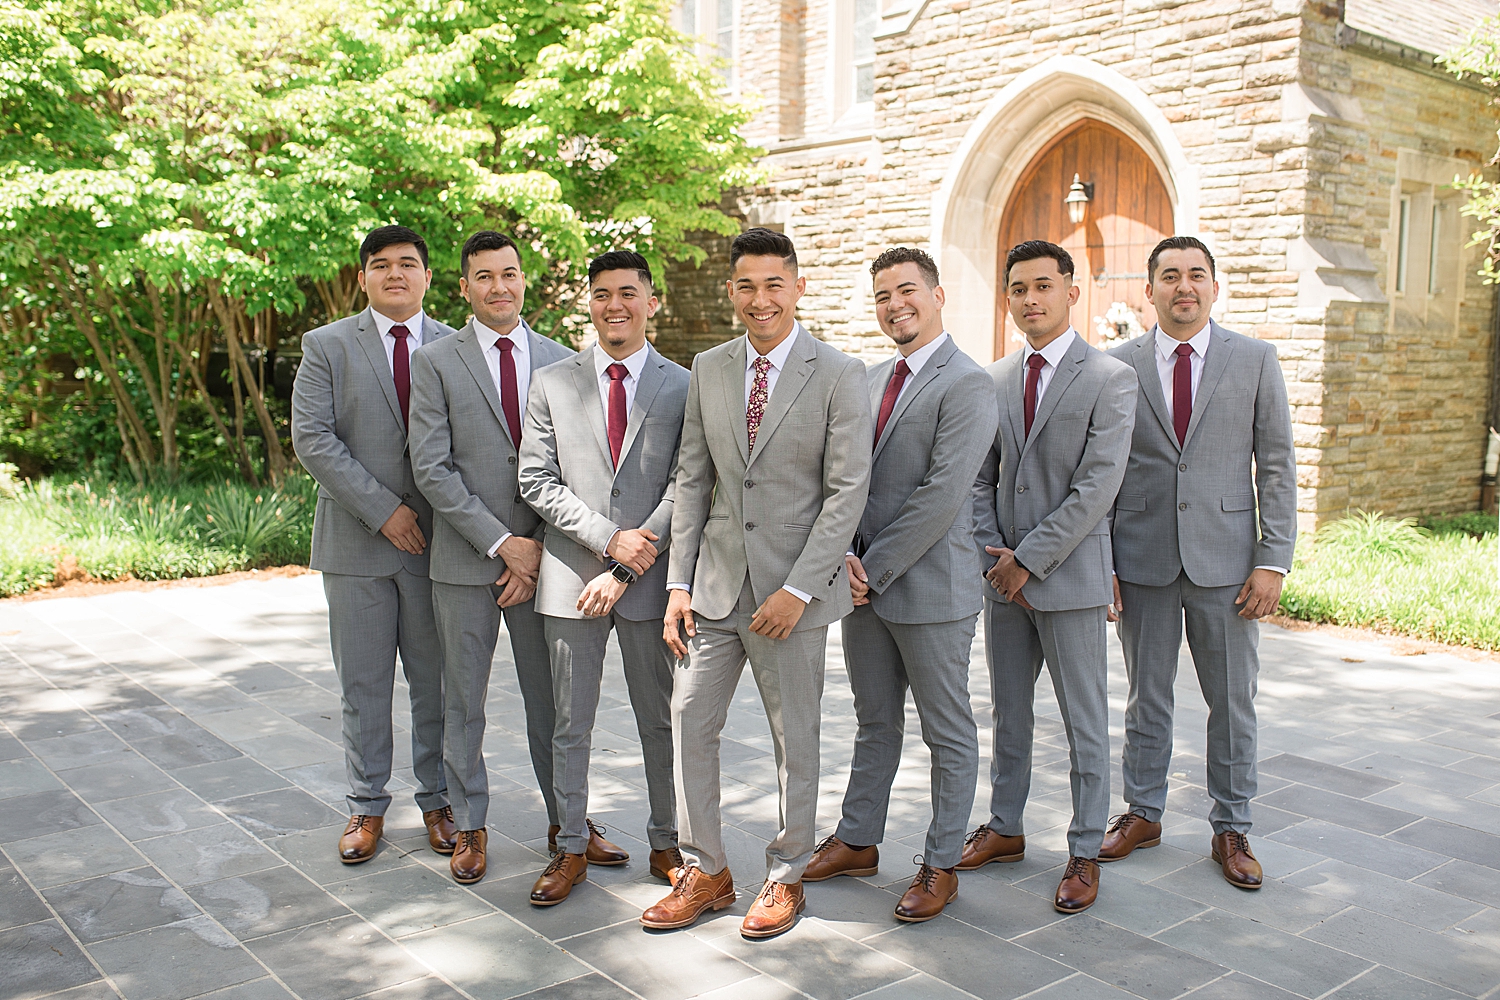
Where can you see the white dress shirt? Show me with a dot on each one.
(1053, 354)
(521, 354)
(916, 360)
(634, 365)
(413, 335)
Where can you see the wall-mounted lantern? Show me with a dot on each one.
(1079, 196)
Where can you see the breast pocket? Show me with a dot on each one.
(1130, 501)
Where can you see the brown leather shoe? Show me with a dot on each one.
(558, 879)
(467, 863)
(1232, 851)
(1079, 886)
(985, 845)
(664, 864)
(931, 890)
(693, 893)
(774, 910)
(834, 857)
(600, 851)
(441, 833)
(359, 839)
(1128, 832)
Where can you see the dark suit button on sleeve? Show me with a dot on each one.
(1182, 506)
(749, 525)
(1182, 467)
(614, 493)
(406, 496)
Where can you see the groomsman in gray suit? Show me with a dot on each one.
(1203, 533)
(772, 477)
(912, 575)
(467, 393)
(370, 531)
(1042, 501)
(597, 461)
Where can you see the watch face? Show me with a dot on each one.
(622, 574)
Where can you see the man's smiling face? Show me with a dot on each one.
(764, 290)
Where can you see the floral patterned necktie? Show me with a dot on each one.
(759, 393)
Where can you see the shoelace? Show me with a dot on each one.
(359, 822)
(468, 840)
(1077, 868)
(976, 835)
(558, 861)
(1238, 842)
(926, 874)
(596, 828)
(1123, 821)
(681, 888)
(826, 844)
(768, 894)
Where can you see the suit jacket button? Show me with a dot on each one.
(1020, 489)
(520, 498)
(510, 460)
(406, 496)
(749, 484)
(1182, 467)
(749, 525)
(1182, 506)
(614, 493)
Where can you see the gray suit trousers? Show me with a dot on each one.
(1224, 653)
(468, 622)
(789, 673)
(369, 619)
(1073, 645)
(884, 658)
(577, 646)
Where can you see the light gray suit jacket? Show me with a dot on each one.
(348, 433)
(1193, 508)
(786, 514)
(1048, 497)
(462, 455)
(916, 538)
(567, 475)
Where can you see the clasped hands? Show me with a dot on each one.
(633, 548)
(1007, 575)
(774, 619)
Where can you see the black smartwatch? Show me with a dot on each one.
(622, 573)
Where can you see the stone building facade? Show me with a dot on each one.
(1311, 144)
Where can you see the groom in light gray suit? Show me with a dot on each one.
(1203, 533)
(772, 477)
(1041, 505)
(466, 409)
(597, 462)
(913, 578)
(370, 531)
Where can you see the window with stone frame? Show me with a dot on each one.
(1425, 274)
(853, 66)
(711, 23)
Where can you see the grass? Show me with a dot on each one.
(1438, 581)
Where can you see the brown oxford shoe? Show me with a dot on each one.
(1079, 886)
(1129, 831)
(834, 857)
(692, 894)
(931, 890)
(558, 879)
(774, 910)
(985, 845)
(664, 864)
(600, 851)
(441, 834)
(359, 839)
(1232, 852)
(467, 863)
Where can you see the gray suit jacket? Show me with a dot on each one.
(1048, 497)
(1193, 508)
(568, 476)
(348, 433)
(786, 514)
(462, 455)
(916, 538)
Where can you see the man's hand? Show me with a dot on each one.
(634, 547)
(1118, 607)
(1260, 594)
(1007, 575)
(780, 613)
(514, 589)
(523, 557)
(600, 595)
(401, 528)
(859, 583)
(679, 610)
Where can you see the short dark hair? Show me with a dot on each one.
(1179, 243)
(621, 260)
(485, 239)
(1036, 250)
(907, 255)
(762, 242)
(390, 236)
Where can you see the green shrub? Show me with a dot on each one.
(1474, 522)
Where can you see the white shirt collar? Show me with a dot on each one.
(413, 325)
(517, 334)
(1166, 346)
(634, 364)
(778, 354)
(922, 355)
(1054, 352)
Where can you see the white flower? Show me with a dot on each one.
(1118, 324)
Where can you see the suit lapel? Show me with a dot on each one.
(920, 381)
(732, 377)
(789, 385)
(534, 360)
(1061, 379)
(1144, 360)
(1014, 416)
(1214, 363)
(653, 377)
(472, 352)
(370, 343)
(587, 384)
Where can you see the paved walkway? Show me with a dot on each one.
(171, 790)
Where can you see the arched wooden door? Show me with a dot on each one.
(1129, 213)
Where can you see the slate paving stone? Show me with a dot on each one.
(227, 779)
(25, 776)
(428, 988)
(261, 677)
(1451, 778)
(1357, 814)
(266, 902)
(1467, 880)
(256, 989)
(1467, 967)
(817, 960)
(184, 749)
(159, 814)
(40, 959)
(494, 957)
(120, 903)
(1121, 958)
(970, 959)
(1379, 854)
(1236, 986)
(1272, 956)
(19, 903)
(754, 988)
(589, 987)
(1414, 904)
(588, 907)
(208, 854)
(98, 990)
(291, 750)
(118, 779)
(72, 855)
(39, 813)
(408, 900)
(37, 725)
(203, 958)
(12, 748)
(281, 811)
(1344, 780)
(1438, 803)
(79, 749)
(658, 965)
(315, 854)
(1284, 906)
(921, 987)
(1452, 841)
(1080, 987)
(1382, 983)
(336, 959)
(856, 908)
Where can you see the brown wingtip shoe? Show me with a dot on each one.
(930, 892)
(441, 833)
(834, 857)
(985, 845)
(558, 879)
(1079, 886)
(1126, 833)
(600, 851)
(359, 839)
(1232, 853)
(774, 910)
(692, 894)
(467, 863)
(665, 863)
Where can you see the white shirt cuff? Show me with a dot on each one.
(799, 595)
(1275, 569)
(611, 541)
(495, 549)
(679, 586)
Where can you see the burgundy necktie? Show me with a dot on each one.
(1034, 365)
(888, 401)
(1182, 392)
(401, 371)
(617, 416)
(510, 402)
